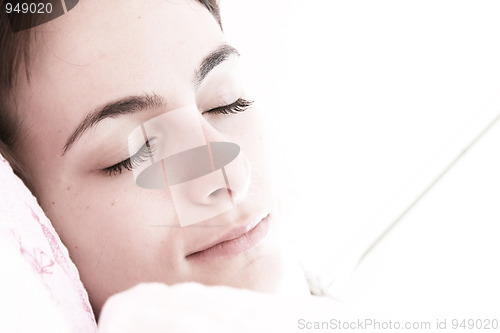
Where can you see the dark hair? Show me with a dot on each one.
(14, 53)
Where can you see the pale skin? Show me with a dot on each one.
(104, 51)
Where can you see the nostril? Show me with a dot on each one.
(221, 193)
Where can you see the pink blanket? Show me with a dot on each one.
(27, 235)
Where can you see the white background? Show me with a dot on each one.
(368, 102)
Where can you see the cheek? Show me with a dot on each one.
(248, 132)
(107, 225)
(113, 236)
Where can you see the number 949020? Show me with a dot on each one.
(475, 324)
(25, 8)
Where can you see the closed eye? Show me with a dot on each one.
(146, 152)
(240, 105)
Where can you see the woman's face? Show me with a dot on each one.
(114, 65)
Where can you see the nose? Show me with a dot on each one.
(208, 180)
(205, 180)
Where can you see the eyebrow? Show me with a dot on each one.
(133, 104)
(213, 60)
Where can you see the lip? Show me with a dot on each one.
(236, 241)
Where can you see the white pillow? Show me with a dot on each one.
(40, 286)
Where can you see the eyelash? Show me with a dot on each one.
(147, 150)
(238, 106)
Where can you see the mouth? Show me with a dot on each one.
(235, 242)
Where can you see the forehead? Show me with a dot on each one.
(103, 50)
